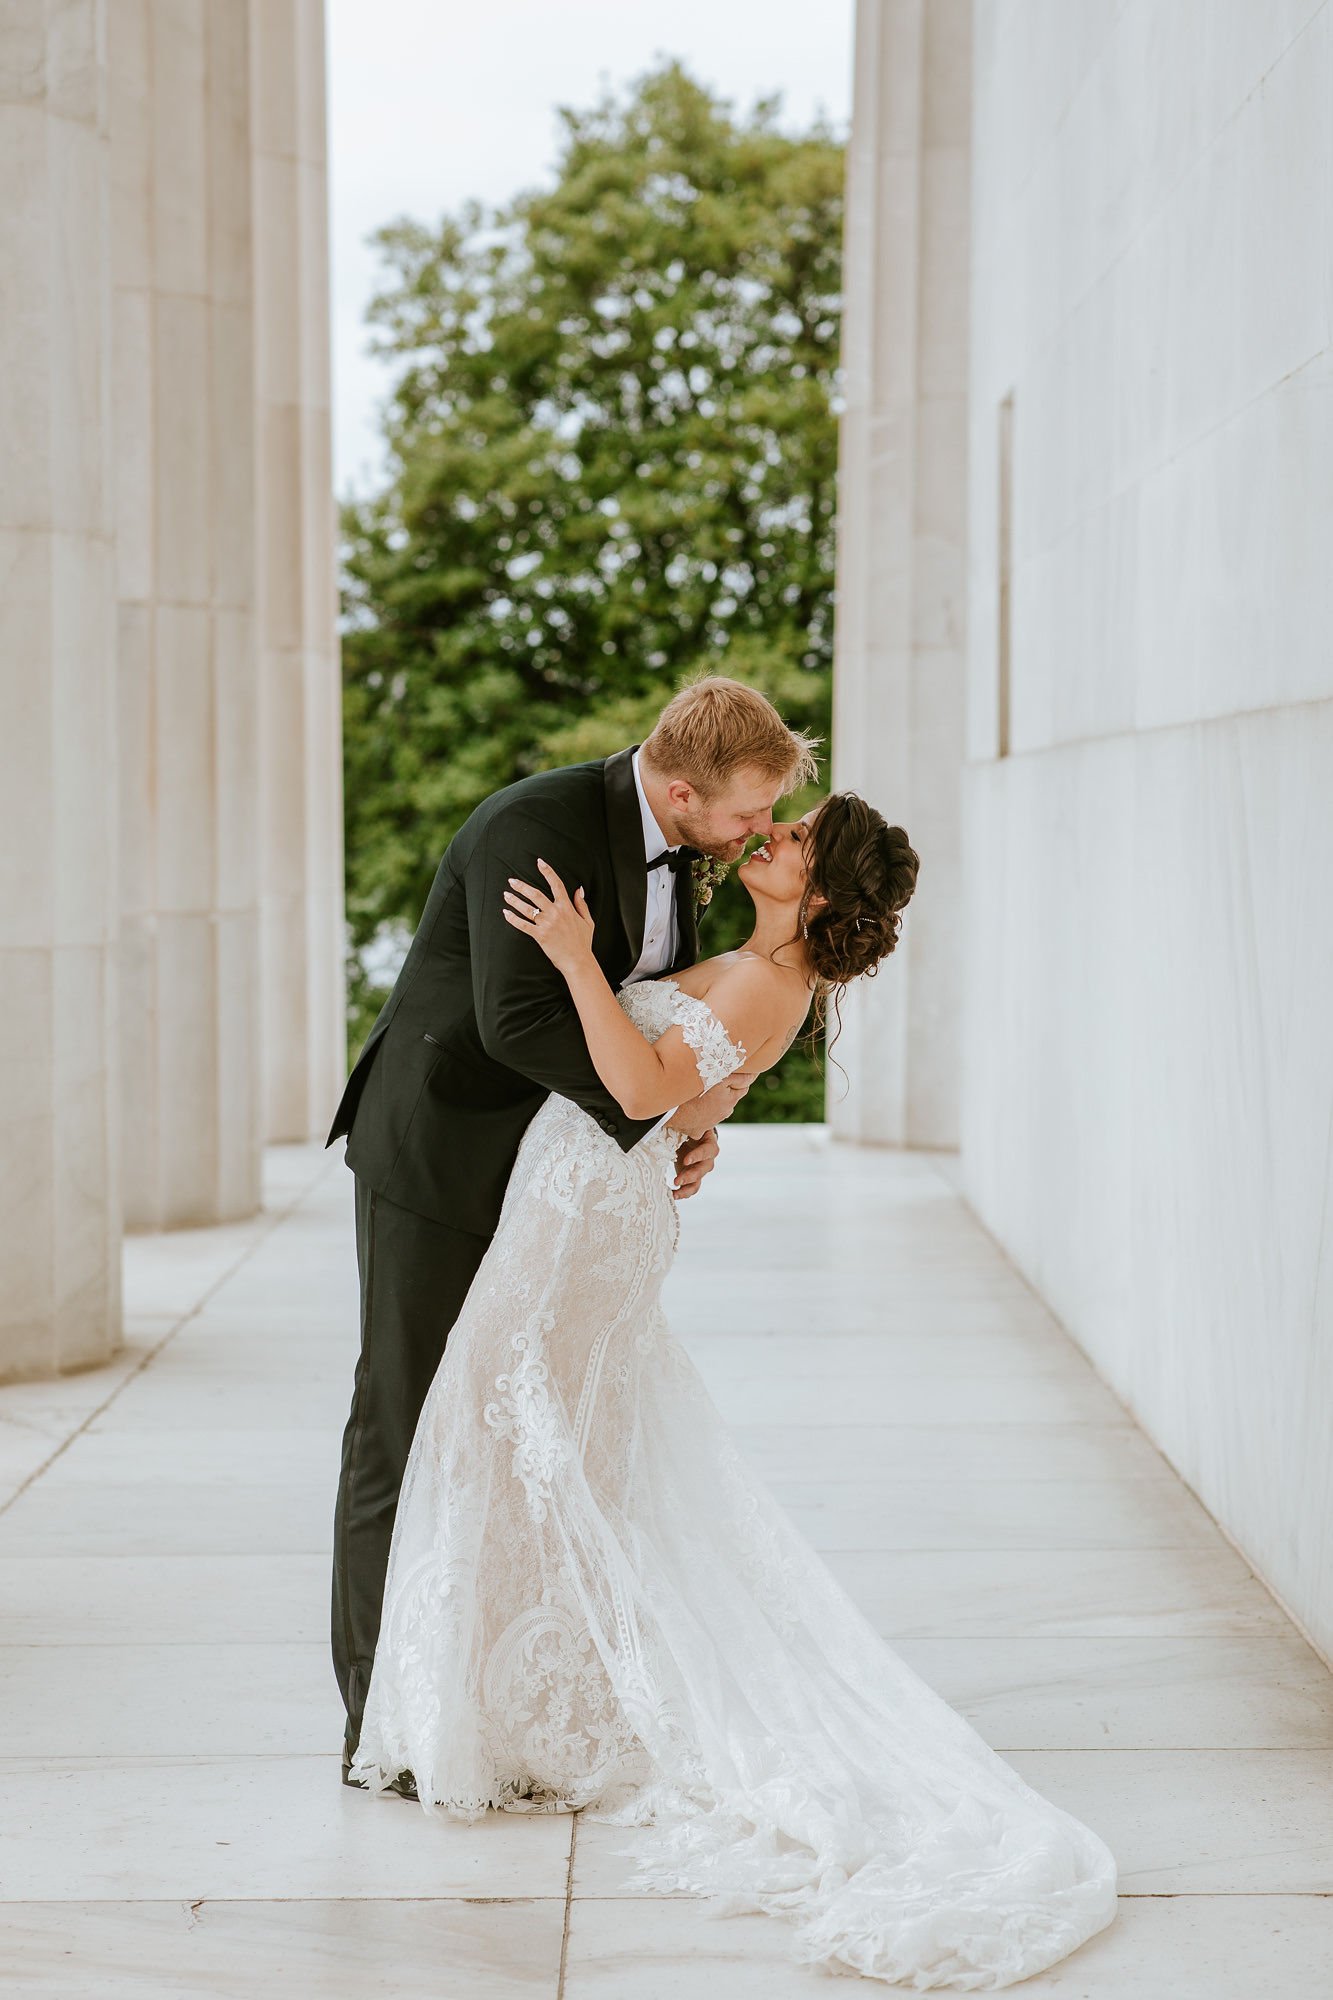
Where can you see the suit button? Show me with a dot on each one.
(606, 1125)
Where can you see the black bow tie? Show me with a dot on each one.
(677, 860)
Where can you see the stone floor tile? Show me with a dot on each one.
(77, 1600)
(154, 1700)
(893, 1513)
(88, 1829)
(679, 1948)
(1182, 1946)
(1198, 1948)
(170, 1273)
(164, 1517)
(311, 1378)
(56, 1407)
(837, 1453)
(1028, 1592)
(1234, 1821)
(757, 1394)
(23, 1450)
(603, 1860)
(169, 1400)
(880, 1362)
(1214, 1692)
(292, 1458)
(840, 1310)
(401, 1949)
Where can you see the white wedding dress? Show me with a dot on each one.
(593, 1602)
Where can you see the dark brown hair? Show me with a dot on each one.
(866, 871)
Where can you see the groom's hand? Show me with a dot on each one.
(694, 1159)
(696, 1125)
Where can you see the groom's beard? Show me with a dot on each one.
(693, 830)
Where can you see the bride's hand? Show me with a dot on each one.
(562, 928)
(712, 1107)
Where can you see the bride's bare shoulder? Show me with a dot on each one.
(747, 991)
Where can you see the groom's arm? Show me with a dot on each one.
(525, 1016)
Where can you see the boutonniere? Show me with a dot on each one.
(705, 874)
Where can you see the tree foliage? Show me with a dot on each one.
(612, 452)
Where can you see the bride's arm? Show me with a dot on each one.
(645, 1078)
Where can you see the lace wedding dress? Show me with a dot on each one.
(593, 1602)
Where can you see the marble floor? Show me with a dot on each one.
(172, 1824)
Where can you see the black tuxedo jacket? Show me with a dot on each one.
(480, 1027)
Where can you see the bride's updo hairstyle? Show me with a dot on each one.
(866, 871)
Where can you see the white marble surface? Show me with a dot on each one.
(902, 533)
(170, 745)
(59, 1166)
(423, 1948)
(1192, 1947)
(231, 1827)
(186, 746)
(300, 830)
(1108, 1592)
(1112, 1692)
(927, 1454)
(170, 1812)
(176, 1698)
(1220, 1821)
(893, 1513)
(1147, 972)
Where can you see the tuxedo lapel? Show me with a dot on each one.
(625, 826)
(687, 928)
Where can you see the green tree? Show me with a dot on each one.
(612, 450)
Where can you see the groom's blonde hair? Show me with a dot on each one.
(716, 727)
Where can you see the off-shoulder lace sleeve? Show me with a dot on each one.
(716, 1055)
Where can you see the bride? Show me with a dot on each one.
(593, 1603)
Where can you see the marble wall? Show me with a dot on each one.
(902, 526)
(170, 762)
(59, 1156)
(1147, 962)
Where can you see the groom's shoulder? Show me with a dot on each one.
(569, 799)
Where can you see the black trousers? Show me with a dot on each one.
(415, 1275)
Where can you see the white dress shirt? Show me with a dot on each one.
(659, 927)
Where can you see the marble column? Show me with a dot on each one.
(59, 1169)
(300, 821)
(184, 448)
(898, 684)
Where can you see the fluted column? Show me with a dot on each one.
(185, 581)
(59, 1192)
(898, 677)
(301, 870)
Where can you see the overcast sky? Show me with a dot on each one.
(433, 101)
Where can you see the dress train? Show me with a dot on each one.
(594, 1603)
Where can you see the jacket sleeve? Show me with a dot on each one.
(525, 1016)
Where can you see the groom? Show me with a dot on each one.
(476, 1033)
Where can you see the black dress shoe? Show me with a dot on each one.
(404, 1784)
